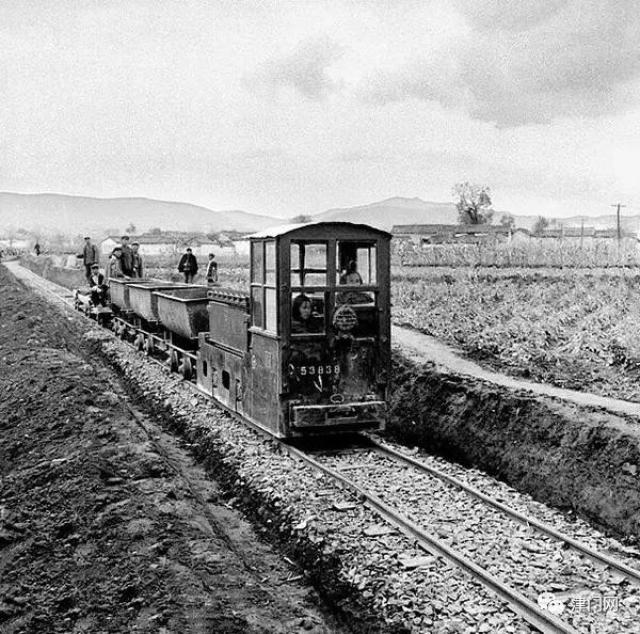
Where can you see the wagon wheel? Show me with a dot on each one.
(122, 332)
(139, 341)
(87, 310)
(114, 326)
(148, 346)
(173, 361)
(186, 368)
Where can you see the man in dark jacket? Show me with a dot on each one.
(188, 265)
(89, 257)
(212, 270)
(127, 257)
(137, 268)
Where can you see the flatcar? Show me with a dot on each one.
(307, 351)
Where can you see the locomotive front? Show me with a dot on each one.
(320, 318)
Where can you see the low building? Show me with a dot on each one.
(423, 235)
(584, 234)
(171, 243)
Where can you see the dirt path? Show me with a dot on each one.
(422, 348)
(106, 523)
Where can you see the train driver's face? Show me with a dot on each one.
(305, 310)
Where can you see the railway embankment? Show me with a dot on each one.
(51, 268)
(573, 456)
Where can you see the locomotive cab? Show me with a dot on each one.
(318, 343)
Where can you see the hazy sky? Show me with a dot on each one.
(295, 107)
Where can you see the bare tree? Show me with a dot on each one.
(508, 221)
(474, 202)
(300, 219)
(540, 225)
(131, 229)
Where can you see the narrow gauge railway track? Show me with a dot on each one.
(485, 544)
(356, 477)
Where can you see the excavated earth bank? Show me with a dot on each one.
(565, 455)
(47, 267)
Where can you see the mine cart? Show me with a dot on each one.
(308, 351)
(119, 291)
(183, 311)
(143, 300)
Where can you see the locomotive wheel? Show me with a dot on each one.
(148, 346)
(139, 342)
(173, 361)
(186, 368)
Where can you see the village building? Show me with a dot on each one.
(584, 235)
(171, 243)
(428, 234)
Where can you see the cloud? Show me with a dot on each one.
(305, 69)
(527, 62)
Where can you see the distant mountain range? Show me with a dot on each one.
(58, 213)
(71, 215)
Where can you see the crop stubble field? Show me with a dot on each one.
(570, 327)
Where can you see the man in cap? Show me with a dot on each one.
(98, 287)
(89, 257)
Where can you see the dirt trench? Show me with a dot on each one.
(566, 455)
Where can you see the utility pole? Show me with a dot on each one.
(618, 205)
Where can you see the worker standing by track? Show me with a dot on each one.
(212, 270)
(188, 265)
(89, 257)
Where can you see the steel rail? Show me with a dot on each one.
(532, 613)
(527, 609)
(618, 566)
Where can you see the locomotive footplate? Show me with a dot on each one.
(351, 414)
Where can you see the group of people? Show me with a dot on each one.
(124, 262)
(188, 266)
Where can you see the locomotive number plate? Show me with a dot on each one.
(314, 370)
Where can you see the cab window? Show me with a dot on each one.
(257, 262)
(308, 264)
(356, 263)
(264, 311)
(270, 263)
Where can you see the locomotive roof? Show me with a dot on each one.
(281, 230)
